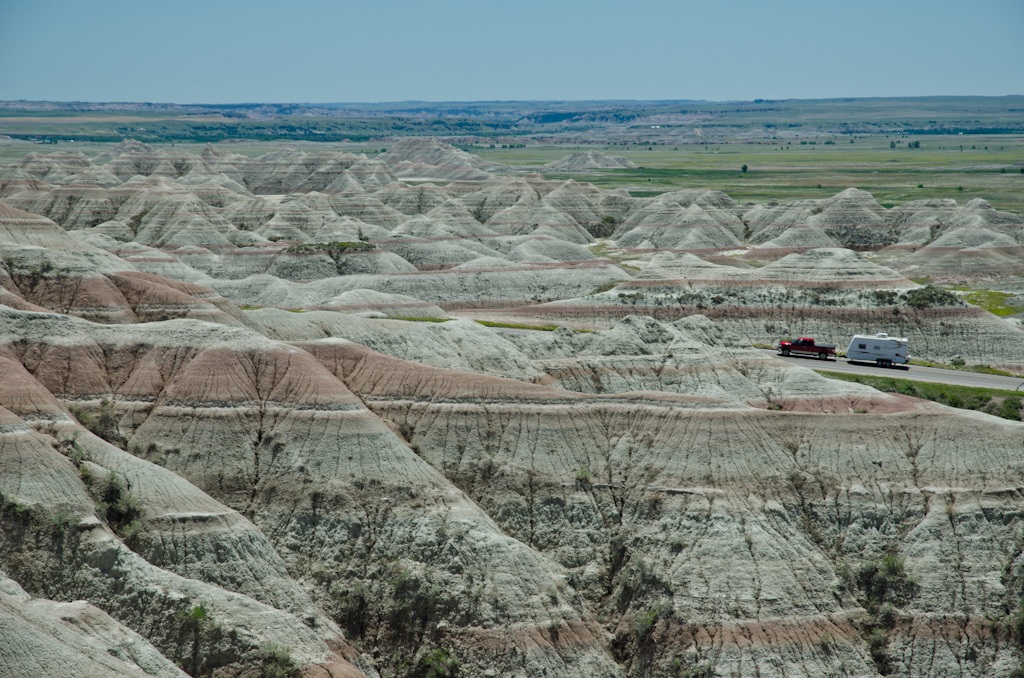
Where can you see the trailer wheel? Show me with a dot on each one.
(823, 356)
(879, 363)
(785, 352)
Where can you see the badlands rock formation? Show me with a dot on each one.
(424, 157)
(272, 231)
(500, 520)
(828, 293)
(224, 453)
(591, 160)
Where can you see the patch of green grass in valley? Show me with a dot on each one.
(602, 251)
(603, 288)
(992, 301)
(1005, 404)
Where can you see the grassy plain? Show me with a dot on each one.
(792, 148)
(776, 168)
(787, 169)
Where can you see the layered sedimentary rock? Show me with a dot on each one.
(100, 289)
(970, 242)
(85, 520)
(609, 494)
(14, 179)
(830, 294)
(710, 550)
(72, 638)
(481, 286)
(428, 158)
(369, 302)
(693, 220)
(195, 218)
(346, 491)
(591, 160)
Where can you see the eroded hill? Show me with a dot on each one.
(224, 452)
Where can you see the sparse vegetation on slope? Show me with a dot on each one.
(1005, 404)
(509, 497)
(883, 588)
(102, 421)
(335, 250)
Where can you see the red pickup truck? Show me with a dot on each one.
(805, 347)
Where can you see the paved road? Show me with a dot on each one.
(934, 375)
(912, 372)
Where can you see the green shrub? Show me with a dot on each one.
(1018, 629)
(61, 522)
(353, 607)
(885, 582)
(277, 661)
(930, 295)
(437, 663)
(116, 503)
(644, 623)
(601, 229)
(887, 615)
(1011, 408)
(987, 400)
(102, 423)
(196, 632)
(884, 297)
(878, 645)
(70, 448)
(706, 670)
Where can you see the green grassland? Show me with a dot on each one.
(939, 169)
(993, 301)
(785, 169)
(149, 127)
(792, 149)
(1005, 404)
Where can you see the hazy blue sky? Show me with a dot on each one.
(229, 51)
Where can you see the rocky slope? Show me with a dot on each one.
(677, 497)
(591, 160)
(223, 452)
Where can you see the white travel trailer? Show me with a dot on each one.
(880, 348)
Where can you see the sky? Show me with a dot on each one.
(305, 51)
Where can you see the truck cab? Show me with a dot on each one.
(881, 349)
(806, 347)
